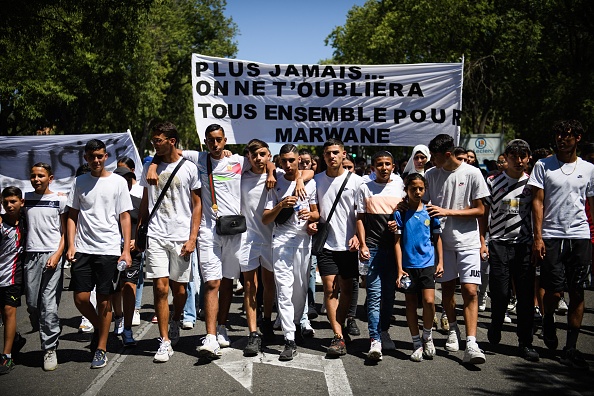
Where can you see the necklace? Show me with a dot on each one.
(561, 167)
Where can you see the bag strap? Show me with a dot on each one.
(344, 183)
(213, 195)
(164, 190)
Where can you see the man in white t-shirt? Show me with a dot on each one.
(455, 190)
(256, 250)
(338, 263)
(561, 184)
(290, 244)
(172, 232)
(97, 201)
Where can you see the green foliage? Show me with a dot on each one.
(98, 66)
(527, 62)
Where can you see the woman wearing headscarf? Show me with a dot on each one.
(416, 163)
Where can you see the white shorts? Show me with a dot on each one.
(163, 261)
(221, 259)
(254, 255)
(466, 265)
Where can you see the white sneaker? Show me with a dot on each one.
(187, 325)
(453, 341)
(506, 318)
(428, 349)
(174, 332)
(417, 355)
(164, 352)
(50, 360)
(136, 318)
(318, 278)
(210, 347)
(277, 323)
(482, 305)
(473, 354)
(387, 343)
(562, 307)
(85, 326)
(118, 326)
(222, 337)
(375, 352)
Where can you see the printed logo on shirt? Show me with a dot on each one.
(579, 176)
(460, 184)
(427, 222)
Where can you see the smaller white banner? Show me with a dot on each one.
(63, 152)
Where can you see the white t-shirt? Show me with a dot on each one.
(137, 190)
(372, 176)
(343, 221)
(253, 200)
(566, 187)
(226, 174)
(43, 221)
(173, 219)
(100, 201)
(292, 233)
(456, 190)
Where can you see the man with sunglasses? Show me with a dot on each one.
(561, 184)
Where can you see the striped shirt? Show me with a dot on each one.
(510, 205)
(11, 254)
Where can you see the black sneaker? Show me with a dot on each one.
(527, 352)
(18, 343)
(6, 364)
(494, 335)
(267, 330)
(549, 332)
(254, 345)
(574, 358)
(290, 351)
(337, 347)
(352, 327)
(312, 312)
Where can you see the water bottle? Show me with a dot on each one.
(364, 267)
(297, 207)
(405, 282)
(122, 265)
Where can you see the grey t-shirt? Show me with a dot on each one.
(456, 190)
(566, 187)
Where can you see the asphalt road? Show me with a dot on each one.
(132, 371)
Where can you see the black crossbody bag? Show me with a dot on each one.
(225, 225)
(142, 231)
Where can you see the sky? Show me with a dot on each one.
(285, 31)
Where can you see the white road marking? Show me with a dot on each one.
(113, 364)
(241, 368)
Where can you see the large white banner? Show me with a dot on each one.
(63, 152)
(382, 105)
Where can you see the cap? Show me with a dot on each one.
(123, 171)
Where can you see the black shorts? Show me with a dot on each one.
(421, 278)
(343, 263)
(93, 270)
(11, 295)
(130, 275)
(566, 260)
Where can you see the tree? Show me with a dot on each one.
(98, 66)
(527, 62)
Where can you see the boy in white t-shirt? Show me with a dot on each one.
(46, 225)
(561, 184)
(455, 190)
(290, 244)
(172, 232)
(97, 201)
(338, 263)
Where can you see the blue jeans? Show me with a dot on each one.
(381, 288)
(192, 291)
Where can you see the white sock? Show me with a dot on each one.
(416, 342)
(427, 334)
(471, 340)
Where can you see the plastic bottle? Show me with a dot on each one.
(364, 267)
(405, 282)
